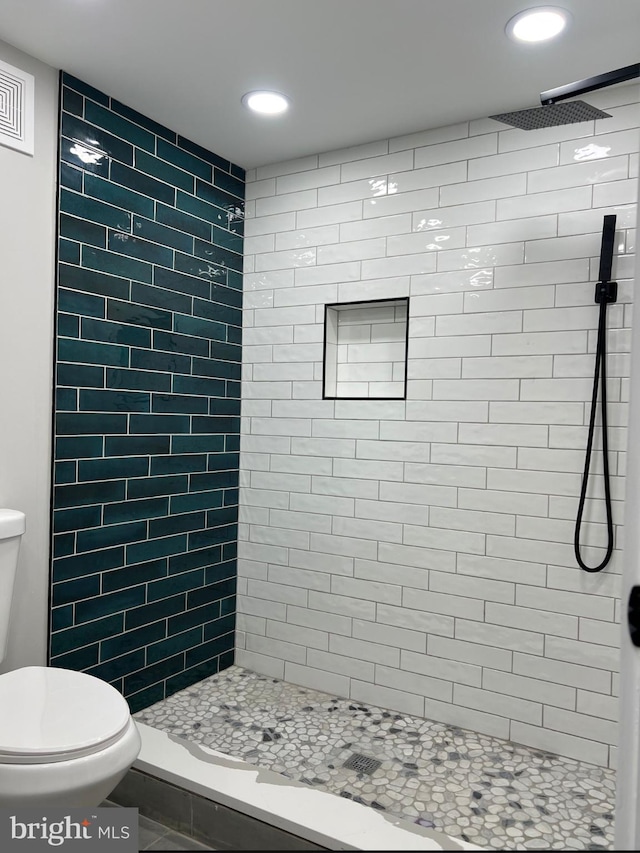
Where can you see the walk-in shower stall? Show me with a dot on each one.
(319, 448)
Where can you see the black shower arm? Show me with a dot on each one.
(580, 87)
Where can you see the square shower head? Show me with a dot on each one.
(551, 115)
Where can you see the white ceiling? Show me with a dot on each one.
(356, 70)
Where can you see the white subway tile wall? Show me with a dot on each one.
(418, 554)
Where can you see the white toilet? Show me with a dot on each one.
(66, 738)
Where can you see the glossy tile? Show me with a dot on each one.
(462, 495)
(120, 196)
(141, 249)
(143, 121)
(134, 199)
(115, 264)
(185, 160)
(119, 126)
(96, 140)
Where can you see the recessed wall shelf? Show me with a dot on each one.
(365, 350)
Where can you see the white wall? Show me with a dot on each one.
(419, 555)
(27, 252)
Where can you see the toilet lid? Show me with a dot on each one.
(50, 714)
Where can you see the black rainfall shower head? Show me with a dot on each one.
(551, 115)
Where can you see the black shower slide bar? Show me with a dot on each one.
(606, 291)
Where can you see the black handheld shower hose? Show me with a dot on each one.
(606, 292)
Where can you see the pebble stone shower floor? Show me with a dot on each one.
(490, 792)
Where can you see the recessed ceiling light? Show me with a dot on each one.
(266, 103)
(539, 24)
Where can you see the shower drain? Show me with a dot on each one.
(362, 763)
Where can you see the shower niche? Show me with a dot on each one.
(365, 350)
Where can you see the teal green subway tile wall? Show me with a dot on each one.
(146, 427)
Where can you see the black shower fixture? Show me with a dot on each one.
(552, 113)
(606, 292)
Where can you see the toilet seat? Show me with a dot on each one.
(48, 714)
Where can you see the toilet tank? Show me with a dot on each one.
(12, 526)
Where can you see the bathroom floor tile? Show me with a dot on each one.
(153, 835)
(147, 834)
(490, 792)
(175, 841)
